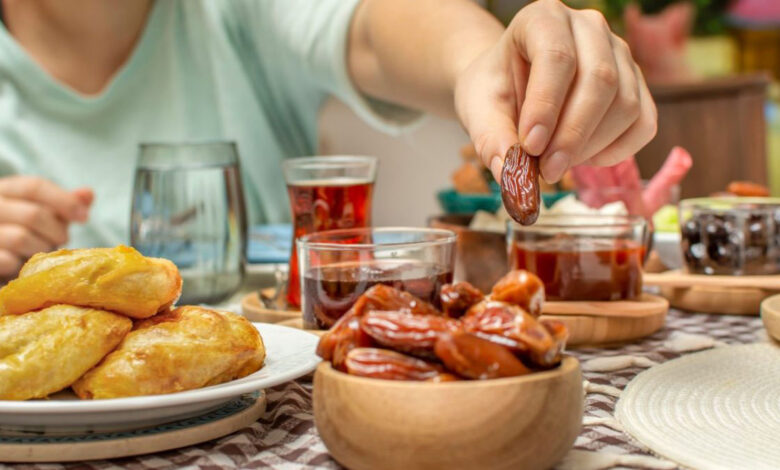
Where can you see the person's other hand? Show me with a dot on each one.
(34, 217)
(560, 83)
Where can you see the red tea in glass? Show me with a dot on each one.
(581, 269)
(338, 266)
(331, 290)
(326, 193)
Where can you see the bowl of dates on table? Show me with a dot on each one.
(482, 382)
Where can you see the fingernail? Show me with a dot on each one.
(536, 140)
(555, 167)
(496, 165)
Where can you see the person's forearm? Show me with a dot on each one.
(411, 51)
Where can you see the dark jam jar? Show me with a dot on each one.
(338, 266)
(731, 235)
(582, 257)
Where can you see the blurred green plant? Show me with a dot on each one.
(709, 13)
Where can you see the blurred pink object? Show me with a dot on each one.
(597, 186)
(757, 11)
(658, 42)
(674, 169)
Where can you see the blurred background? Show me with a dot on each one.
(713, 68)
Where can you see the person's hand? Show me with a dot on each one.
(560, 83)
(34, 217)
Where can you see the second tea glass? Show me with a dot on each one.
(326, 193)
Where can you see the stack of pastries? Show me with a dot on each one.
(102, 321)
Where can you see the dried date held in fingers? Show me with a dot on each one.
(475, 358)
(520, 288)
(411, 334)
(520, 185)
(457, 298)
(390, 365)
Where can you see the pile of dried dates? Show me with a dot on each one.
(390, 334)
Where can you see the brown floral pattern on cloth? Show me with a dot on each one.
(286, 437)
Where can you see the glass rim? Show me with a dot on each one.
(707, 202)
(225, 153)
(583, 221)
(325, 162)
(442, 237)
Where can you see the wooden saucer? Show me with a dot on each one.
(770, 315)
(254, 310)
(592, 322)
(731, 295)
(235, 415)
(610, 321)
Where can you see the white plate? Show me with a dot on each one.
(290, 353)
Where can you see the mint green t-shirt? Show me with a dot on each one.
(252, 71)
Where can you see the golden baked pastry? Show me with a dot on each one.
(117, 279)
(184, 349)
(45, 351)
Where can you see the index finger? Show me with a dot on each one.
(545, 38)
(44, 192)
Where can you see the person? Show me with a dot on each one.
(83, 82)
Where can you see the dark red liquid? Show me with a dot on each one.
(327, 206)
(331, 290)
(583, 269)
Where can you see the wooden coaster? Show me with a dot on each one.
(254, 310)
(609, 321)
(592, 322)
(731, 295)
(236, 415)
(770, 315)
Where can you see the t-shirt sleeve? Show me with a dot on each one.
(311, 37)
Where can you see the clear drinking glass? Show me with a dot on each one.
(337, 266)
(326, 193)
(188, 206)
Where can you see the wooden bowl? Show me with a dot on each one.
(524, 422)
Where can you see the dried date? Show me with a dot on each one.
(343, 337)
(390, 365)
(385, 298)
(520, 185)
(410, 334)
(512, 327)
(457, 298)
(475, 358)
(560, 334)
(520, 288)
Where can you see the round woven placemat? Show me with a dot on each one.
(715, 409)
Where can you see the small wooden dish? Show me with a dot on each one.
(609, 321)
(591, 322)
(254, 310)
(770, 315)
(527, 422)
(730, 295)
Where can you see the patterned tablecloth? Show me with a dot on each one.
(286, 437)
